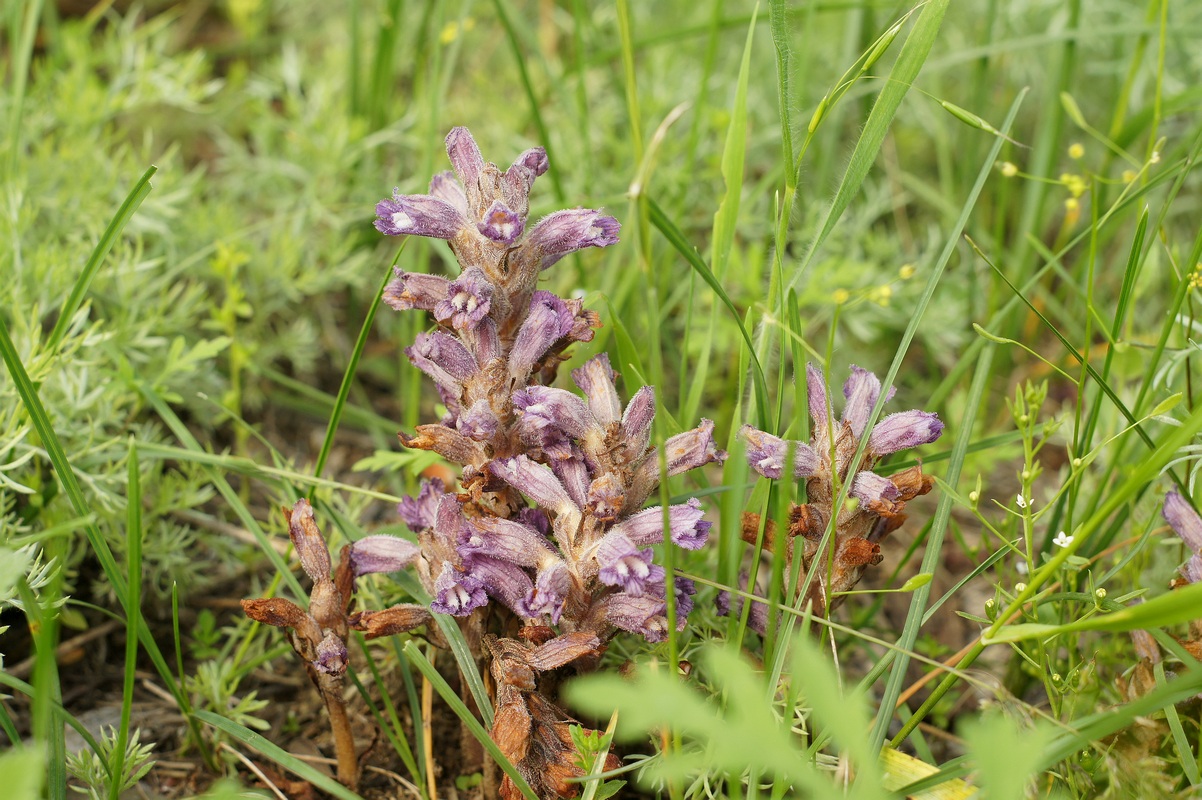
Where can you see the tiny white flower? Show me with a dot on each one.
(1062, 539)
(1021, 568)
(1023, 502)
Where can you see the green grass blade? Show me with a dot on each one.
(726, 218)
(133, 613)
(419, 660)
(677, 239)
(909, 61)
(1172, 608)
(278, 755)
(116, 225)
(348, 376)
(47, 691)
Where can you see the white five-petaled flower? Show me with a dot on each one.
(1062, 539)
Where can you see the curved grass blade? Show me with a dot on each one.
(277, 754)
(133, 615)
(115, 226)
(913, 54)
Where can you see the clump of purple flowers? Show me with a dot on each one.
(824, 464)
(548, 520)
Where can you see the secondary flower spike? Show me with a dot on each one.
(824, 463)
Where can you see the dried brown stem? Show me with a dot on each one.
(330, 687)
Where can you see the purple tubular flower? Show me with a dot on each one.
(415, 290)
(692, 449)
(573, 474)
(443, 358)
(766, 454)
(501, 224)
(874, 491)
(418, 215)
(536, 482)
(551, 588)
(820, 407)
(596, 380)
(643, 615)
(505, 582)
(382, 553)
(534, 518)
(685, 589)
(503, 539)
(478, 422)
(419, 512)
(331, 656)
(637, 419)
(457, 593)
(449, 521)
(543, 407)
(466, 301)
(622, 563)
(565, 232)
(1183, 519)
(548, 321)
(686, 527)
(862, 389)
(466, 159)
(904, 430)
(444, 187)
(1192, 571)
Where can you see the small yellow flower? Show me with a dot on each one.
(1072, 205)
(449, 33)
(906, 272)
(1009, 169)
(1076, 150)
(1155, 159)
(1128, 175)
(841, 296)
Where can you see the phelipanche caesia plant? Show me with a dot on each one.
(578, 554)
(824, 464)
(548, 520)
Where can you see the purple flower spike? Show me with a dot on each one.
(533, 161)
(766, 454)
(457, 593)
(446, 188)
(551, 588)
(1184, 520)
(596, 380)
(382, 553)
(418, 215)
(419, 512)
(622, 563)
(536, 482)
(466, 300)
(692, 449)
(685, 589)
(500, 224)
(415, 290)
(904, 430)
(861, 390)
(566, 232)
(503, 539)
(478, 422)
(549, 320)
(331, 656)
